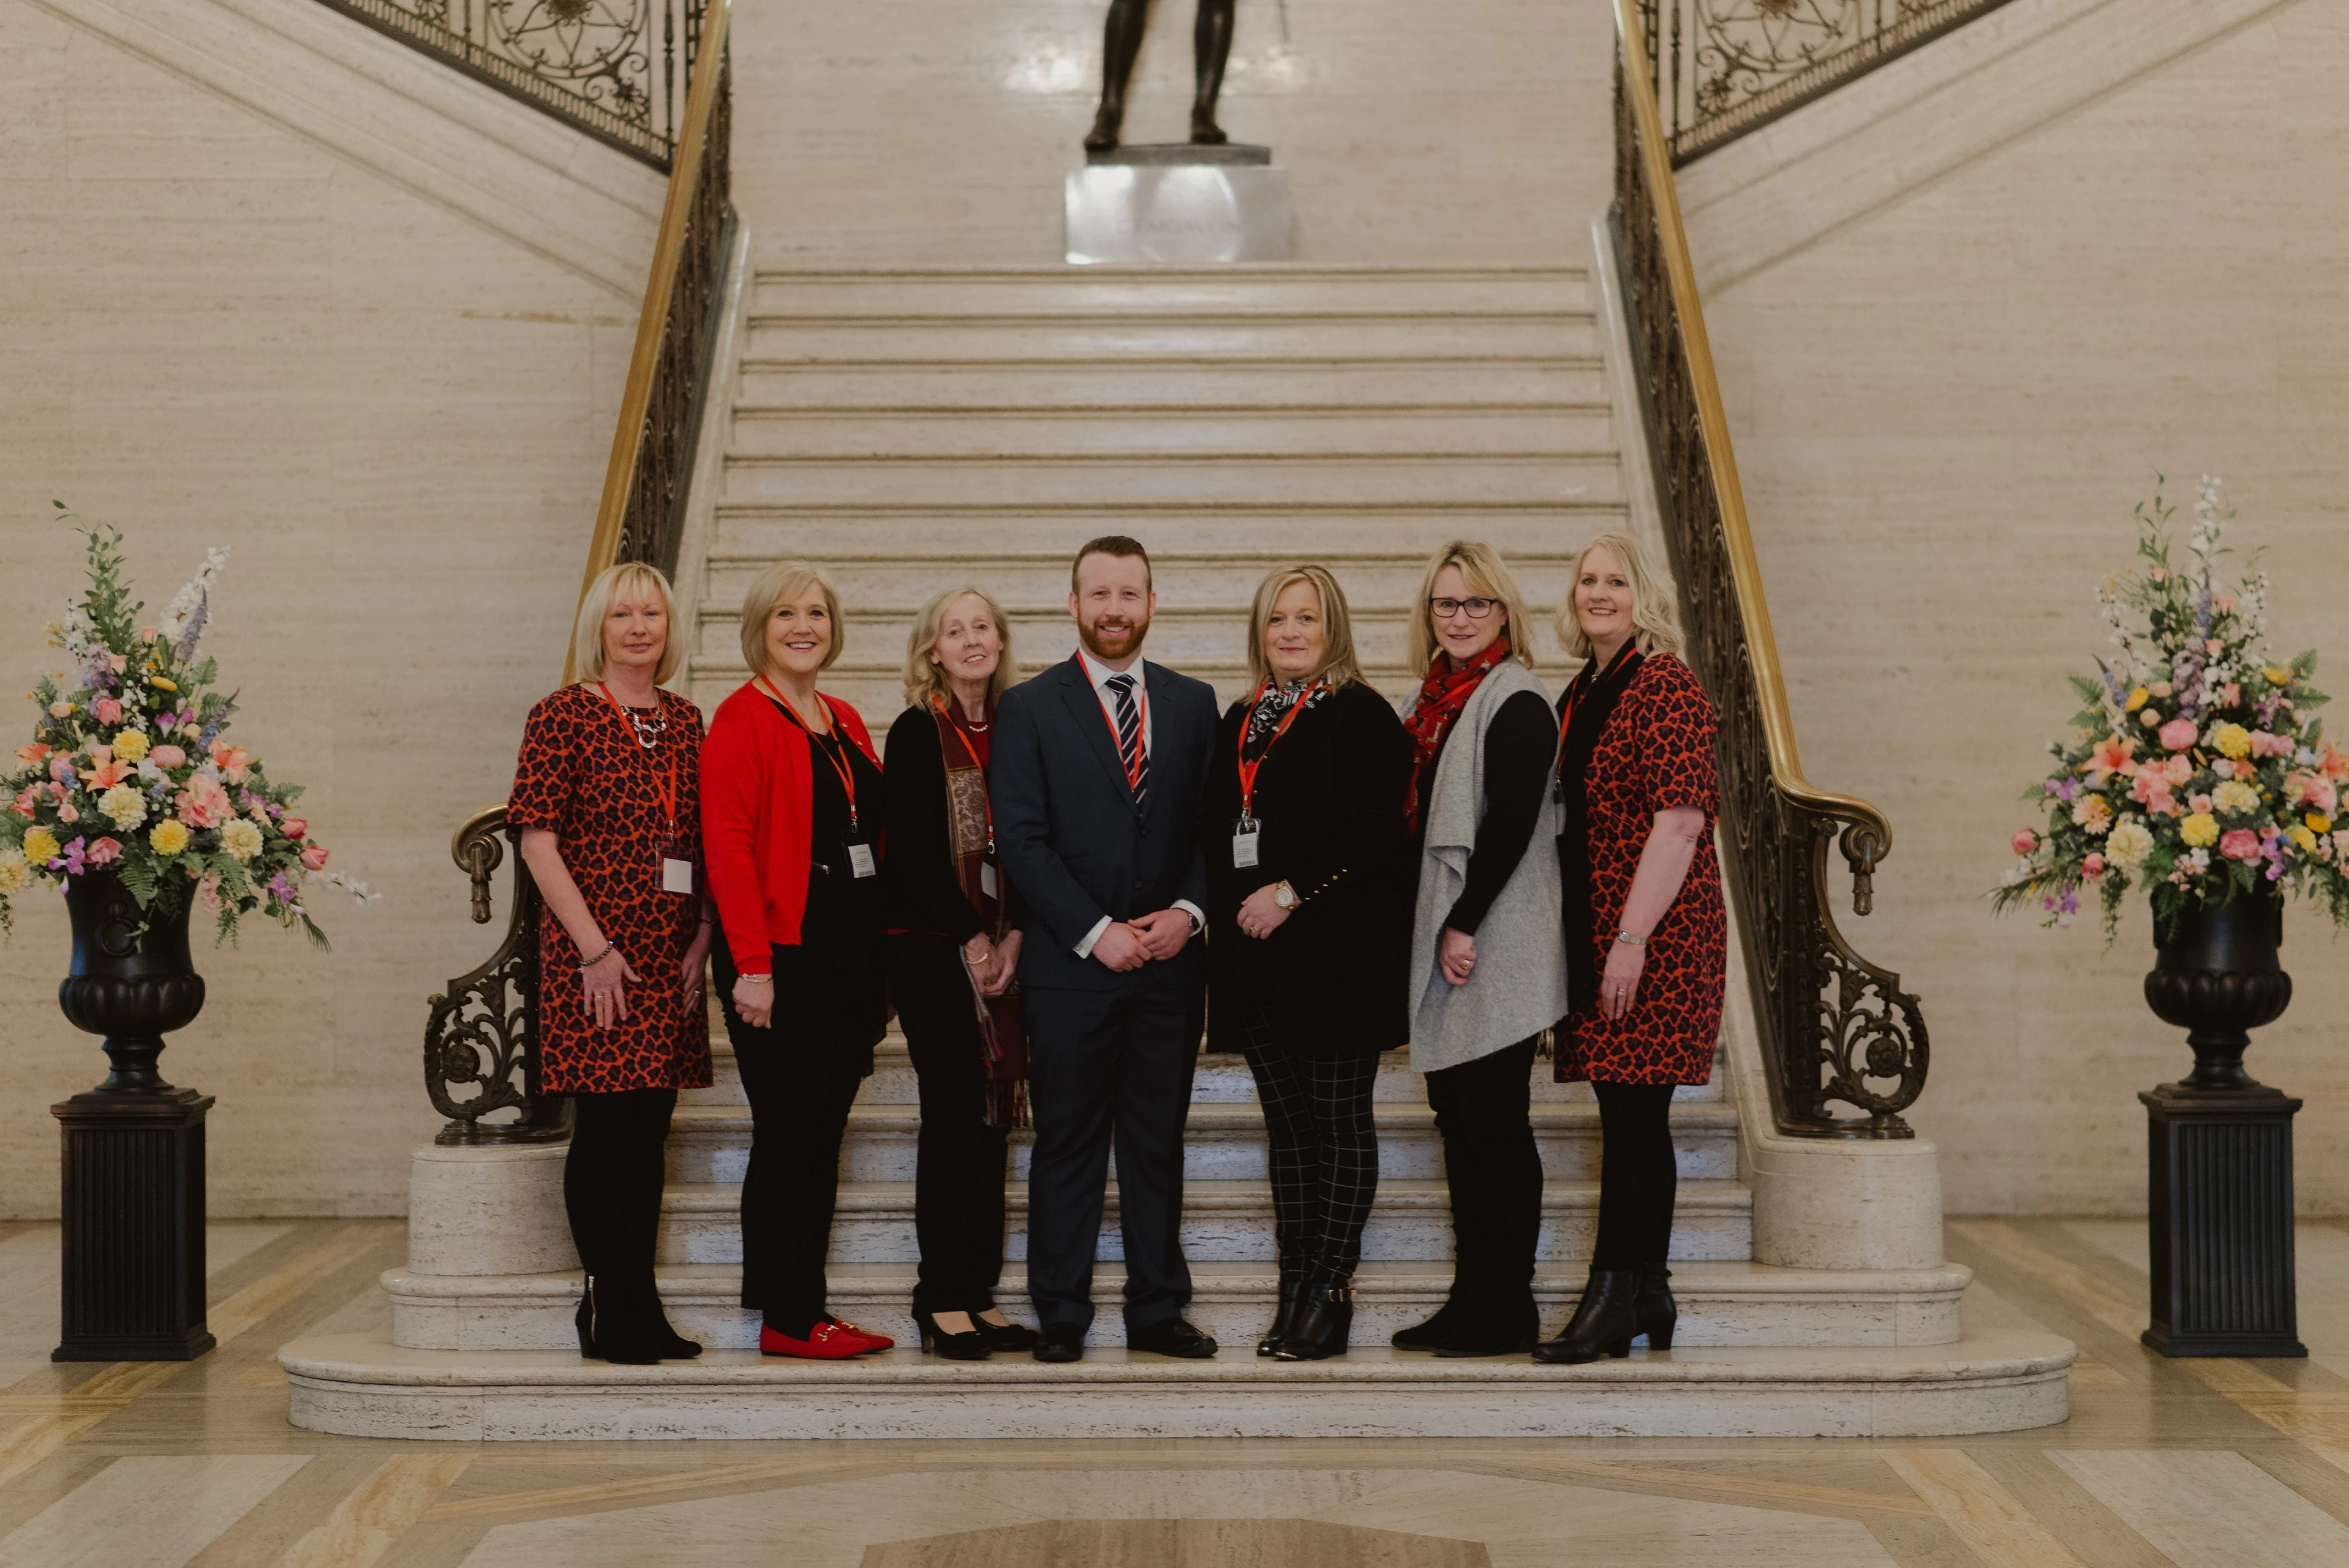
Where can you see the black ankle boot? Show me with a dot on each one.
(608, 1330)
(1283, 1315)
(1325, 1316)
(1602, 1325)
(1508, 1327)
(1653, 1309)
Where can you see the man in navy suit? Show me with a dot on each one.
(1097, 773)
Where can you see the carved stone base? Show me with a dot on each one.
(133, 1203)
(2220, 1164)
(1176, 211)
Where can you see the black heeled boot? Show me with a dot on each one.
(1323, 1320)
(1652, 1308)
(970, 1344)
(1506, 1326)
(1602, 1325)
(1283, 1315)
(652, 1322)
(608, 1331)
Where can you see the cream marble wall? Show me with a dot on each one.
(1944, 409)
(938, 131)
(219, 332)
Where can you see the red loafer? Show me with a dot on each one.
(871, 1341)
(825, 1342)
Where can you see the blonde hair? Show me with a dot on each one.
(785, 580)
(1654, 628)
(1481, 568)
(924, 678)
(611, 586)
(1339, 664)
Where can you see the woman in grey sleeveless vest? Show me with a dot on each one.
(1488, 971)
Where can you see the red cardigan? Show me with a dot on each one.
(758, 795)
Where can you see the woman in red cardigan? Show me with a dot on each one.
(792, 813)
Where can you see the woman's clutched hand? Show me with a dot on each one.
(754, 999)
(1007, 967)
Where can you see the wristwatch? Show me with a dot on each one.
(1284, 896)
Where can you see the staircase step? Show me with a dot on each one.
(955, 540)
(1176, 390)
(1129, 293)
(1172, 339)
(1223, 1220)
(1223, 1142)
(768, 432)
(1721, 1304)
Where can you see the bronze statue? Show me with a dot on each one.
(1211, 43)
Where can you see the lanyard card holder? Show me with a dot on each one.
(1248, 841)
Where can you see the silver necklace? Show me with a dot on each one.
(650, 730)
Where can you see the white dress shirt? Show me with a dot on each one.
(1100, 674)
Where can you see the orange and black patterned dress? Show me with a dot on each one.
(583, 777)
(1654, 750)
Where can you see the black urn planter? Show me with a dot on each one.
(2219, 1142)
(132, 1201)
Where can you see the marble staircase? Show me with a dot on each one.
(910, 430)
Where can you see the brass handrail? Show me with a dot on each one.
(688, 215)
(1831, 1021)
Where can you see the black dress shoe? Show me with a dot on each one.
(1602, 1325)
(1170, 1336)
(970, 1344)
(1004, 1336)
(1061, 1341)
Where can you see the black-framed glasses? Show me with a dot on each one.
(1477, 609)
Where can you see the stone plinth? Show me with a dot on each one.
(1178, 205)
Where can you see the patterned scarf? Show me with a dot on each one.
(970, 839)
(1441, 695)
(1270, 707)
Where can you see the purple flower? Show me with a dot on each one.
(282, 889)
(70, 858)
(2070, 790)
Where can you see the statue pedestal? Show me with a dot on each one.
(2220, 1215)
(1178, 205)
(133, 1210)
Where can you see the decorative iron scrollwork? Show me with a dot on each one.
(482, 1032)
(1834, 1026)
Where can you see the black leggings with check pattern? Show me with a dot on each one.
(1324, 1154)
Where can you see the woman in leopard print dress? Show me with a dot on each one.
(607, 796)
(1647, 936)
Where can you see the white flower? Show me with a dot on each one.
(13, 873)
(341, 883)
(241, 838)
(124, 807)
(188, 605)
(2129, 843)
(2234, 797)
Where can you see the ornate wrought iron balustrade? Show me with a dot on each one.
(480, 1042)
(1722, 67)
(1834, 1026)
(609, 67)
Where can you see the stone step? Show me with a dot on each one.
(1226, 1220)
(1721, 1304)
(771, 432)
(1252, 480)
(1128, 292)
(710, 1144)
(1179, 390)
(954, 541)
(1172, 339)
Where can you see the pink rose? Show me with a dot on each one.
(2240, 844)
(104, 852)
(67, 814)
(2320, 794)
(315, 856)
(203, 803)
(2197, 803)
(2093, 866)
(107, 709)
(2025, 840)
(294, 827)
(169, 757)
(146, 633)
(2266, 744)
(2178, 733)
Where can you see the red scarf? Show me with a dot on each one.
(1441, 695)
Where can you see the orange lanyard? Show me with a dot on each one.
(971, 751)
(1248, 769)
(847, 774)
(1140, 734)
(667, 781)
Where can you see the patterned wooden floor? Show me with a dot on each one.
(2189, 1462)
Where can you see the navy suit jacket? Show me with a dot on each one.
(1072, 840)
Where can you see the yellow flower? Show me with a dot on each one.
(2136, 699)
(170, 836)
(131, 745)
(2277, 674)
(2318, 822)
(2235, 798)
(2198, 829)
(162, 683)
(13, 873)
(2232, 740)
(60, 709)
(2129, 843)
(40, 846)
(240, 839)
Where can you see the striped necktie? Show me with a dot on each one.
(1128, 738)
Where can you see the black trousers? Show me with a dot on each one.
(1493, 1169)
(1323, 1145)
(958, 1182)
(1637, 1175)
(612, 1181)
(1106, 1065)
(801, 1075)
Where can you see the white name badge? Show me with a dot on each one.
(861, 861)
(988, 882)
(677, 876)
(1247, 839)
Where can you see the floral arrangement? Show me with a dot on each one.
(2197, 766)
(129, 770)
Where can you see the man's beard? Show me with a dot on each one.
(1113, 645)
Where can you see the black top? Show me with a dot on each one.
(1520, 744)
(842, 926)
(1330, 799)
(920, 890)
